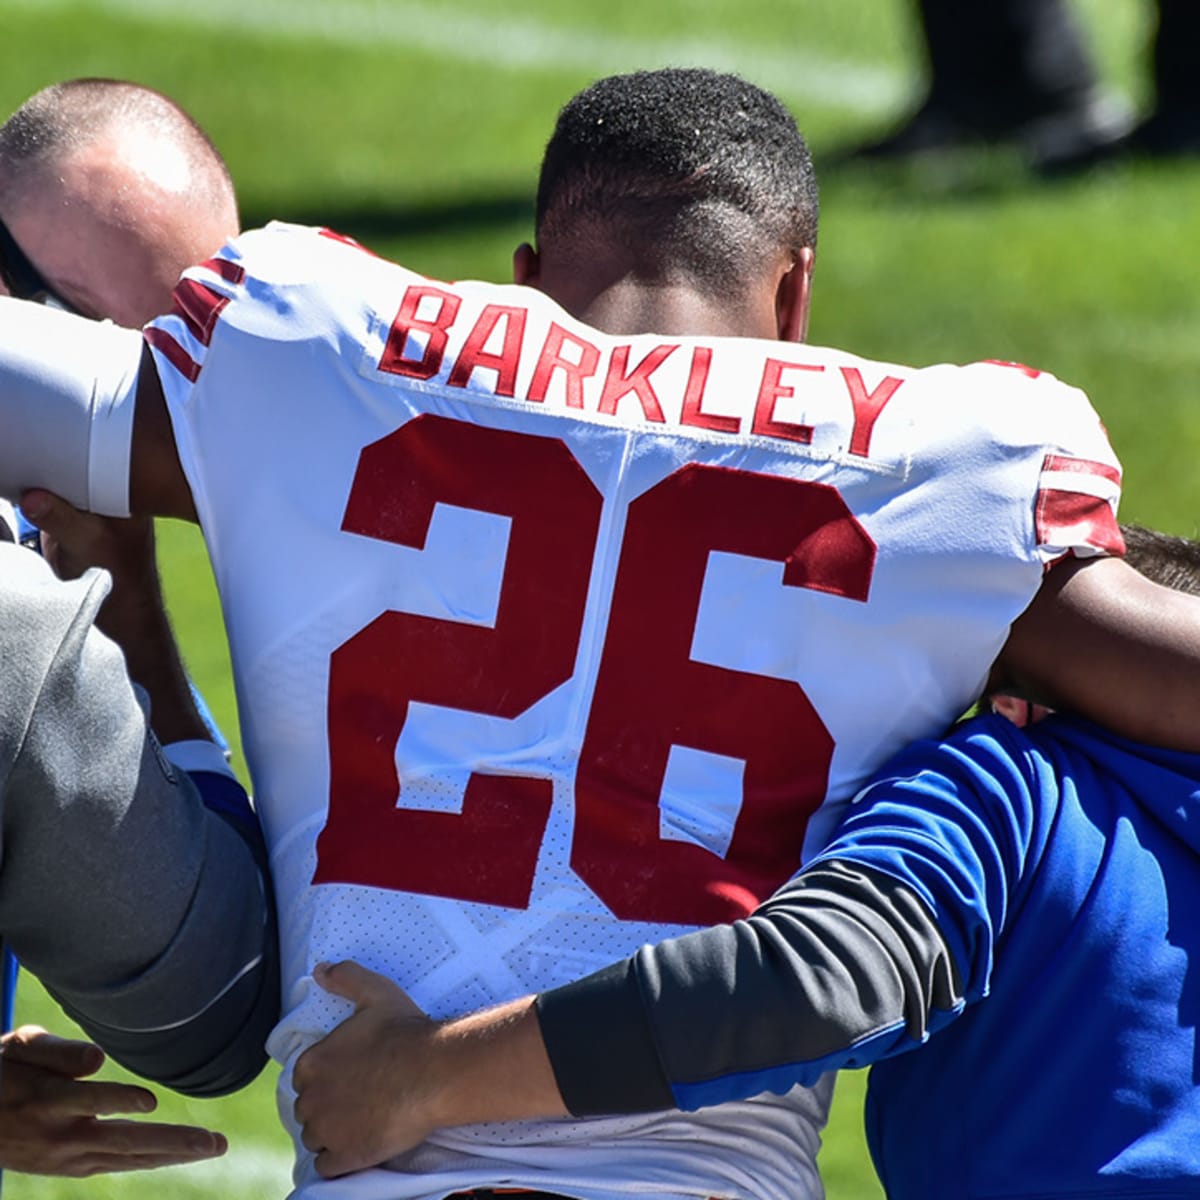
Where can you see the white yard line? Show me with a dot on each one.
(525, 45)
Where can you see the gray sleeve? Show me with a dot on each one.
(842, 958)
(143, 912)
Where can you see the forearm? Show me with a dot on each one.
(135, 617)
(134, 614)
(197, 1015)
(841, 966)
(492, 1066)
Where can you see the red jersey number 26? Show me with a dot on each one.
(649, 693)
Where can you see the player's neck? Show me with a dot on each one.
(631, 306)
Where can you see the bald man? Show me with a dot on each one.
(111, 869)
(108, 190)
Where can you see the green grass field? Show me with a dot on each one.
(418, 126)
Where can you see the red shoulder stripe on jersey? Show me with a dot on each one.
(1032, 372)
(1075, 519)
(173, 352)
(199, 306)
(346, 240)
(231, 272)
(1082, 466)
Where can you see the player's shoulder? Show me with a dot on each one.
(334, 269)
(999, 413)
(286, 254)
(1005, 395)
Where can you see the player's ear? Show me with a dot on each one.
(793, 296)
(526, 265)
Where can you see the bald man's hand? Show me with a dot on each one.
(50, 1115)
(73, 541)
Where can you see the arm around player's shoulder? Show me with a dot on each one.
(1102, 640)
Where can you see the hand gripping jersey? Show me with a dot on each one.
(549, 643)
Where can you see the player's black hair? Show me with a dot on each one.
(698, 173)
(1163, 558)
(66, 116)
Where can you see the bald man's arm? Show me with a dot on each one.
(1102, 640)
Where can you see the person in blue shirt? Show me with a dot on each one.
(1004, 924)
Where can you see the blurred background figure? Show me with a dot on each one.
(1021, 71)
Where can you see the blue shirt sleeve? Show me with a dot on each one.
(959, 822)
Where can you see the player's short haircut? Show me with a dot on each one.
(1163, 558)
(700, 174)
(66, 117)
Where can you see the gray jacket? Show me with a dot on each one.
(143, 911)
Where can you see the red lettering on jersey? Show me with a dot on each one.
(173, 352)
(1032, 372)
(504, 363)
(199, 306)
(649, 694)
(765, 421)
(488, 851)
(231, 272)
(867, 407)
(672, 699)
(618, 384)
(551, 359)
(427, 366)
(693, 397)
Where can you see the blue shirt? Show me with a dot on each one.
(1060, 864)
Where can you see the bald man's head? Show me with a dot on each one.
(110, 190)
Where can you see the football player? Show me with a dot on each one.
(589, 602)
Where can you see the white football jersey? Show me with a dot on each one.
(549, 643)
